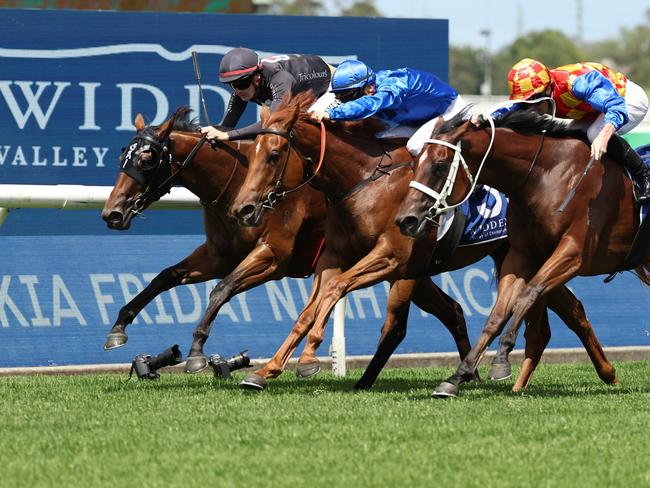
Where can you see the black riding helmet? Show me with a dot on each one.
(238, 63)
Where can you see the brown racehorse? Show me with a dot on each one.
(547, 247)
(365, 182)
(283, 244)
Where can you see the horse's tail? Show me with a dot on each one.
(643, 272)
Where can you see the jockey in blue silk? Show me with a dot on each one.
(413, 101)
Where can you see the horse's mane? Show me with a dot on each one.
(364, 128)
(457, 120)
(180, 121)
(532, 122)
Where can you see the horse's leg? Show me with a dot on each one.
(563, 265)
(393, 331)
(564, 303)
(256, 268)
(328, 266)
(195, 268)
(537, 334)
(511, 283)
(431, 299)
(373, 268)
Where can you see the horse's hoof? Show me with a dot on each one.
(305, 370)
(253, 382)
(115, 340)
(445, 390)
(500, 371)
(195, 364)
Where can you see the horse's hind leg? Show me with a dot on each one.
(393, 331)
(195, 268)
(565, 304)
(537, 334)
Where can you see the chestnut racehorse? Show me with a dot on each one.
(365, 180)
(283, 245)
(548, 247)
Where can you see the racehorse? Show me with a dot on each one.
(536, 162)
(282, 245)
(365, 180)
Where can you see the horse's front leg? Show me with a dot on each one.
(375, 267)
(258, 267)
(563, 265)
(511, 283)
(328, 266)
(196, 268)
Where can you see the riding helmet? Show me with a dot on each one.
(527, 78)
(238, 63)
(352, 74)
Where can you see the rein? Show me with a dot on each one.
(276, 194)
(377, 173)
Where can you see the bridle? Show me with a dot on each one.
(277, 194)
(440, 204)
(159, 150)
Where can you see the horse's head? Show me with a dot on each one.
(144, 169)
(442, 178)
(273, 169)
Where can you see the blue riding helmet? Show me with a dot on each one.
(352, 74)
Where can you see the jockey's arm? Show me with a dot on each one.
(367, 105)
(598, 91)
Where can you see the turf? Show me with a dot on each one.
(568, 429)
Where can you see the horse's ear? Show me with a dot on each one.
(139, 121)
(165, 129)
(265, 114)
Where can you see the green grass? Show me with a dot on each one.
(568, 429)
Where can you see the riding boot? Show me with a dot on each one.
(621, 150)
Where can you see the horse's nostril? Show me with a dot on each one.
(408, 225)
(114, 219)
(246, 212)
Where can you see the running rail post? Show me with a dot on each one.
(4, 212)
(338, 339)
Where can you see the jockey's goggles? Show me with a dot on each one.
(349, 95)
(242, 83)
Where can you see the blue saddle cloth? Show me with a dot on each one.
(486, 216)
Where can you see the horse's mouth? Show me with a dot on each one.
(120, 218)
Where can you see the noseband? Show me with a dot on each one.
(276, 195)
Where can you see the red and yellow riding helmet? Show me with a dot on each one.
(527, 78)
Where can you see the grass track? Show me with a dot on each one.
(567, 430)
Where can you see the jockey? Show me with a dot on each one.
(265, 82)
(600, 101)
(414, 100)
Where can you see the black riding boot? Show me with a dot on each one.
(620, 149)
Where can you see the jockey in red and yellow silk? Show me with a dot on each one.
(600, 101)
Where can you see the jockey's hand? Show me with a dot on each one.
(599, 145)
(214, 134)
(318, 116)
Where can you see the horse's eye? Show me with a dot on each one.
(441, 168)
(274, 156)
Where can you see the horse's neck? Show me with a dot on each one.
(212, 172)
(510, 166)
(345, 164)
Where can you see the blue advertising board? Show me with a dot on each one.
(71, 83)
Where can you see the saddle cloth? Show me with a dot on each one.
(485, 210)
